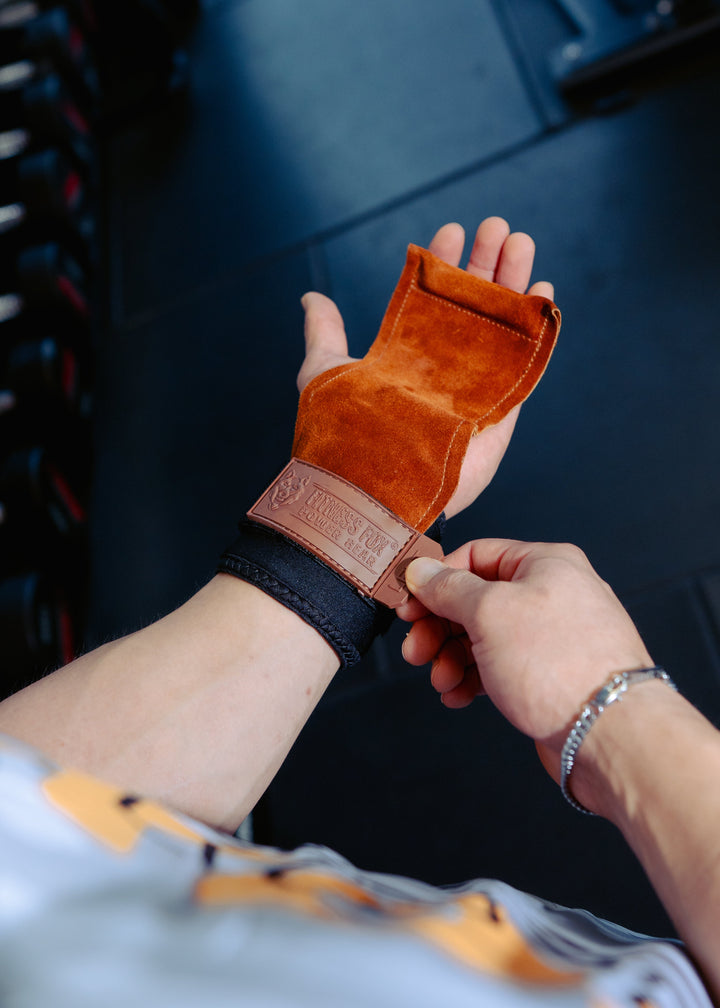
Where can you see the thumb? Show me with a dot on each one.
(325, 339)
(447, 592)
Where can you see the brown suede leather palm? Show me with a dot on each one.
(454, 355)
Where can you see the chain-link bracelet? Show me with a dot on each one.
(612, 692)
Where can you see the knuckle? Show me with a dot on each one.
(571, 552)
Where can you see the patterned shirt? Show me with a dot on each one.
(107, 899)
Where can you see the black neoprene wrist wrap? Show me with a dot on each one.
(348, 620)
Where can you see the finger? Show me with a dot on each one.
(448, 244)
(411, 610)
(324, 326)
(487, 247)
(425, 640)
(506, 559)
(448, 669)
(450, 593)
(325, 339)
(543, 289)
(490, 559)
(516, 262)
(463, 694)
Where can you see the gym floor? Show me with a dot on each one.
(315, 141)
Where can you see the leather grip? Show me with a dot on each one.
(454, 355)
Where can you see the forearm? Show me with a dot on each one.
(197, 710)
(653, 768)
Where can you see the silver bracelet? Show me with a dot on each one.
(611, 692)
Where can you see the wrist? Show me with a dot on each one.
(299, 581)
(330, 553)
(612, 692)
(236, 619)
(618, 760)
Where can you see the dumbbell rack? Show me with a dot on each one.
(49, 100)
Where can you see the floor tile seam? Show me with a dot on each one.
(525, 70)
(316, 240)
(426, 189)
(309, 243)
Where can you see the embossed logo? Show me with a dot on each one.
(345, 526)
(288, 489)
(350, 531)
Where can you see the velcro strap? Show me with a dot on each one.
(349, 530)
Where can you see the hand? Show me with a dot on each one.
(530, 625)
(497, 256)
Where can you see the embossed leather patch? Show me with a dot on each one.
(349, 530)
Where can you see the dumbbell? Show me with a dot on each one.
(65, 318)
(45, 399)
(24, 225)
(47, 183)
(44, 278)
(81, 11)
(52, 41)
(44, 522)
(44, 371)
(36, 111)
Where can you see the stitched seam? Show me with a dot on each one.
(345, 368)
(329, 381)
(404, 533)
(522, 376)
(272, 534)
(477, 314)
(487, 413)
(372, 501)
(413, 286)
(331, 561)
(401, 311)
(442, 480)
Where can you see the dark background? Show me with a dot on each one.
(314, 142)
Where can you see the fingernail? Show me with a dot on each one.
(303, 300)
(422, 570)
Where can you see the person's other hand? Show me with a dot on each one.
(533, 626)
(497, 256)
